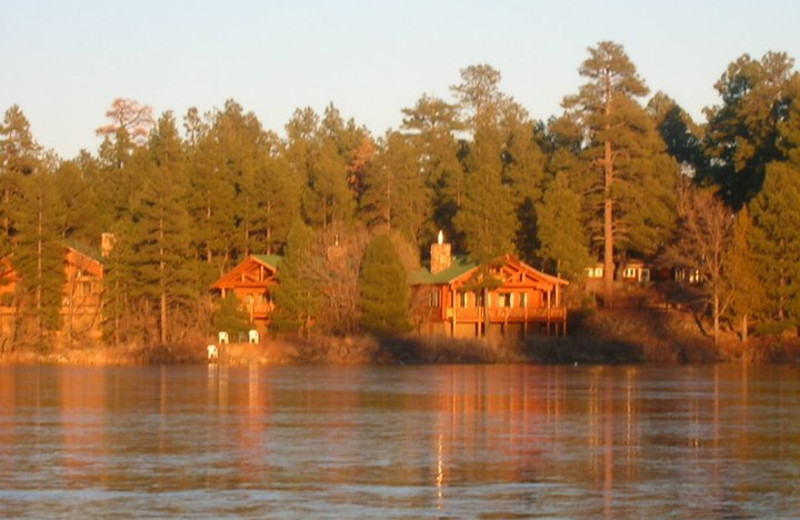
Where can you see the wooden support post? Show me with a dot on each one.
(454, 304)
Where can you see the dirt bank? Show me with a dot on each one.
(619, 336)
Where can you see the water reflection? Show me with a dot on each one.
(575, 442)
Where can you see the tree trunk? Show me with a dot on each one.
(744, 328)
(716, 318)
(608, 255)
(485, 311)
(608, 207)
(162, 276)
(39, 253)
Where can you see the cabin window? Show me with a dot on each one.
(629, 272)
(594, 272)
(479, 299)
(505, 300)
(433, 299)
(644, 276)
(463, 299)
(523, 300)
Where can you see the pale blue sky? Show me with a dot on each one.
(64, 61)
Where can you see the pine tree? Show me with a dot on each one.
(564, 242)
(742, 274)
(297, 298)
(211, 197)
(634, 177)
(321, 155)
(38, 259)
(524, 173)
(776, 241)
(242, 146)
(331, 202)
(431, 124)
(487, 218)
(163, 245)
(75, 198)
(353, 145)
(682, 137)
(20, 156)
(396, 196)
(743, 133)
(230, 316)
(279, 202)
(384, 289)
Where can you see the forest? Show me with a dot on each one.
(621, 173)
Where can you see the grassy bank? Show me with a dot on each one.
(619, 336)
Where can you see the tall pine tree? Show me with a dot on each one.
(384, 289)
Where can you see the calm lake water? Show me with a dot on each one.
(400, 442)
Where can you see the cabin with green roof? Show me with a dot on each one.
(460, 298)
(252, 281)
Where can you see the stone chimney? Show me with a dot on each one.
(440, 255)
(107, 241)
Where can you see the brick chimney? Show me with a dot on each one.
(440, 255)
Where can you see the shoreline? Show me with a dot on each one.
(407, 351)
(598, 337)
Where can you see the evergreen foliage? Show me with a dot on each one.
(564, 242)
(431, 125)
(230, 317)
(634, 179)
(749, 294)
(384, 289)
(743, 133)
(297, 297)
(776, 242)
(38, 260)
(601, 180)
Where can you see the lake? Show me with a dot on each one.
(650, 441)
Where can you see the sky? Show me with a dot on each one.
(64, 61)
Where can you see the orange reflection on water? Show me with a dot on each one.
(82, 396)
(414, 437)
(493, 424)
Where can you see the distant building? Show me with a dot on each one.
(635, 271)
(252, 281)
(449, 302)
(81, 309)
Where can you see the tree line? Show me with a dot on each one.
(610, 178)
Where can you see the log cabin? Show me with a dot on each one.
(252, 281)
(448, 298)
(81, 304)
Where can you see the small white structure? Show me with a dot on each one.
(253, 336)
(213, 352)
(223, 338)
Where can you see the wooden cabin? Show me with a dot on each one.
(448, 302)
(252, 282)
(82, 293)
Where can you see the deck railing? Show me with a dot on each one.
(509, 314)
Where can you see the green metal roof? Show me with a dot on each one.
(85, 250)
(273, 260)
(458, 267)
